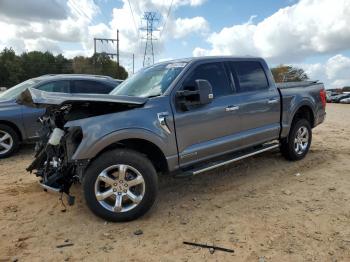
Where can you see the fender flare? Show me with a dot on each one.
(307, 103)
(90, 151)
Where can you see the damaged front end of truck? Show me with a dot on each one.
(58, 141)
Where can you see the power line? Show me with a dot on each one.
(133, 17)
(81, 12)
(166, 19)
(103, 14)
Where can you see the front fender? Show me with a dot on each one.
(89, 151)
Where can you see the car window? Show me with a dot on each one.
(91, 87)
(13, 92)
(56, 86)
(250, 74)
(215, 74)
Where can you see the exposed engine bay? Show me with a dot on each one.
(53, 152)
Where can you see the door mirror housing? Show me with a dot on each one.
(202, 95)
(205, 91)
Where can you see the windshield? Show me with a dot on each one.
(13, 92)
(150, 81)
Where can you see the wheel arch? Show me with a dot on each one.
(143, 146)
(14, 127)
(153, 146)
(304, 112)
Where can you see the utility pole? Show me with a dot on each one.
(94, 45)
(151, 19)
(108, 40)
(118, 47)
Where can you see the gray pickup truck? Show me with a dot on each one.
(180, 117)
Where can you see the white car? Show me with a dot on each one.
(345, 100)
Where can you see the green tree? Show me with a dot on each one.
(82, 65)
(100, 64)
(63, 65)
(11, 72)
(15, 69)
(106, 66)
(37, 63)
(283, 73)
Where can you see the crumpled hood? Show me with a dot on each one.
(41, 99)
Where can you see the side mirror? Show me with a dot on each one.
(202, 95)
(205, 91)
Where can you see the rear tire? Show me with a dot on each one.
(120, 185)
(9, 141)
(299, 140)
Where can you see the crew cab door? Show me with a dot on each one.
(259, 106)
(203, 131)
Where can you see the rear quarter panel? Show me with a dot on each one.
(296, 97)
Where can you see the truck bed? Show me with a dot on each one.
(296, 94)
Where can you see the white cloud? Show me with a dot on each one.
(185, 26)
(175, 28)
(334, 72)
(309, 27)
(38, 10)
(46, 24)
(42, 25)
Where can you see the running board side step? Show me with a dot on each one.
(236, 157)
(49, 188)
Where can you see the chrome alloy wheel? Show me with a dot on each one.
(119, 188)
(301, 140)
(6, 142)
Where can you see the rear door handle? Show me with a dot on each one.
(273, 101)
(231, 108)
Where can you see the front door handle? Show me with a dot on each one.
(272, 101)
(231, 108)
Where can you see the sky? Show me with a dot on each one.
(311, 34)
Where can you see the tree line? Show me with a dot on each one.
(15, 68)
(18, 68)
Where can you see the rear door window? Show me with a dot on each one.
(91, 87)
(56, 86)
(215, 74)
(251, 75)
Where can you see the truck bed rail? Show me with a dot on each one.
(297, 84)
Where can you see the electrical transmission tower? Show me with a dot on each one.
(152, 19)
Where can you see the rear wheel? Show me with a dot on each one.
(120, 185)
(9, 141)
(299, 140)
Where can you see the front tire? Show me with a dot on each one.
(299, 140)
(120, 185)
(9, 141)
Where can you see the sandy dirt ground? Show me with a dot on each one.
(265, 208)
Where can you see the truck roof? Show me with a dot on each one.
(76, 76)
(208, 58)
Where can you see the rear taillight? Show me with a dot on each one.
(323, 98)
